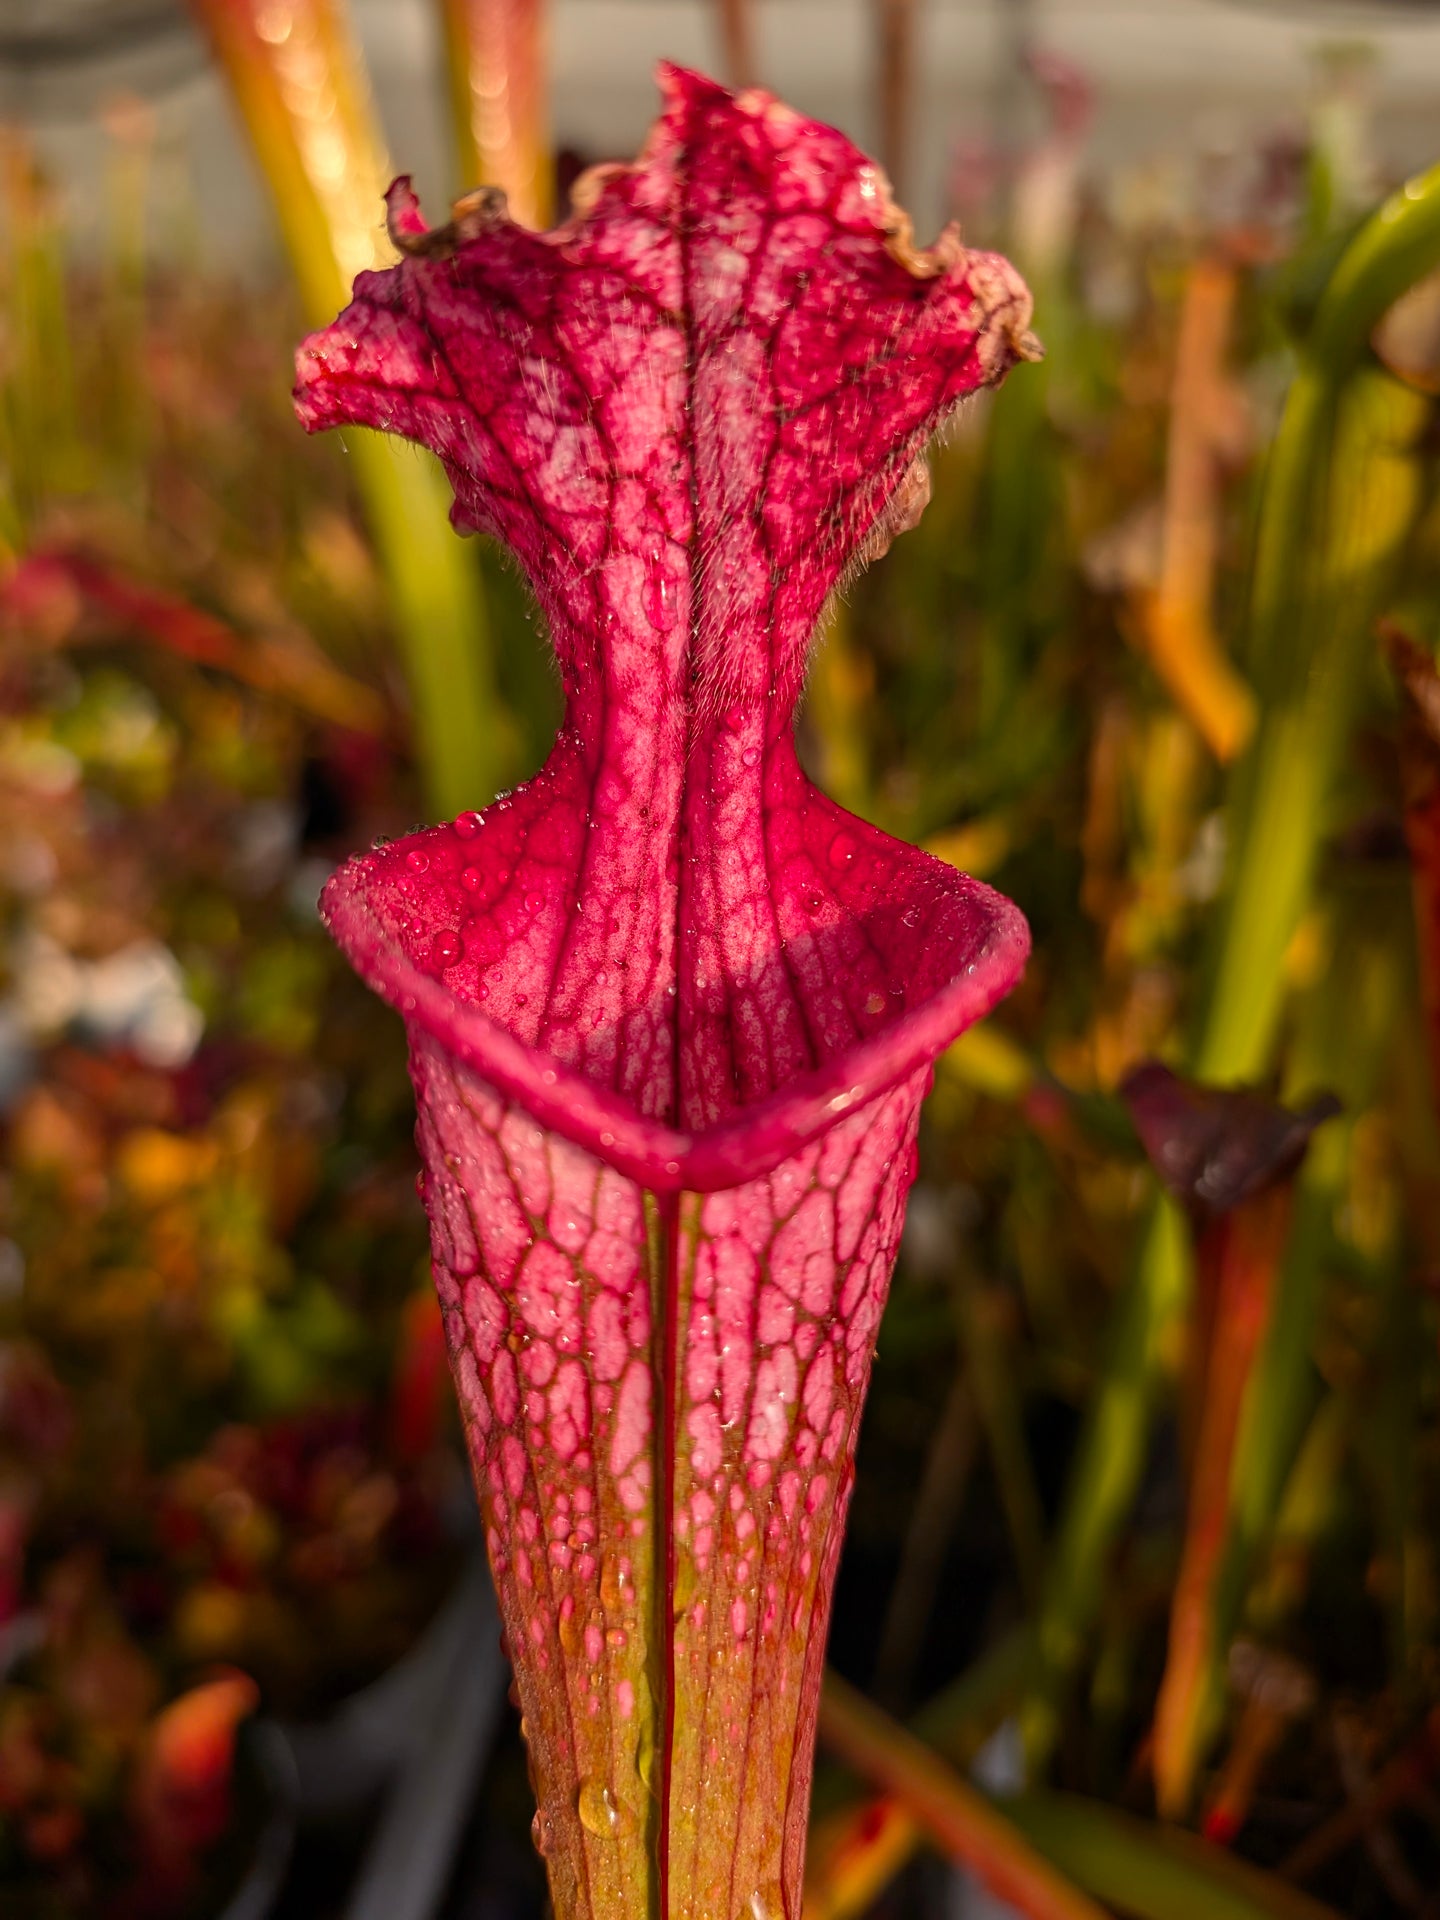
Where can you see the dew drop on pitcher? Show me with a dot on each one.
(601, 1813)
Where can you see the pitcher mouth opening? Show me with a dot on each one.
(745, 1145)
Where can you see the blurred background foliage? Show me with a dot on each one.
(1144, 1534)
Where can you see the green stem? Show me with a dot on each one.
(1051, 1855)
(329, 224)
(1152, 1873)
(464, 735)
(866, 1850)
(1343, 522)
(41, 420)
(956, 1815)
(1341, 496)
(1340, 1044)
(1108, 1467)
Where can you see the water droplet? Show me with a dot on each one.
(616, 1587)
(482, 992)
(472, 879)
(750, 757)
(843, 849)
(417, 860)
(910, 917)
(766, 1903)
(542, 1830)
(813, 903)
(467, 825)
(602, 1813)
(534, 902)
(447, 947)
